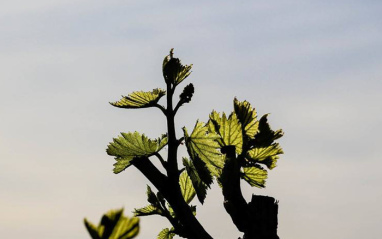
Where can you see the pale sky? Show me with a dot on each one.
(316, 66)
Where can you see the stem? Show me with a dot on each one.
(180, 103)
(174, 222)
(159, 180)
(234, 202)
(180, 140)
(147, 168)
(193, 229)
(164, 163)
(263, 212)
(172, 141)
(257, 219)
(161, 108)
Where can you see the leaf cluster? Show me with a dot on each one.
(114, 225)
(253, 140)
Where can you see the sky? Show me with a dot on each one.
(316, 66)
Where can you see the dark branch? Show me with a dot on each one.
(147, 168)
(164, 163)
(180, 140)
(180, 103)
(234, 202)
(161, 108)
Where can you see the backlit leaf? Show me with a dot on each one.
(152, 198)
(266, 136)
(92, 229)
(255, 176)
(140, 99)
(133, 145)
(173, 70)
(200, 177)
(122, 163)
(203, 144)
(146, 211)
(186, 187)
(247, 117)
(166, 234)
(228, 128)
(126, 228)
(114, 225)
(265, 155)
(155, 206)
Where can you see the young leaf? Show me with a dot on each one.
(140, 99)
(109, 221)
(229, 130)
(247, 117)
(255, 176)
(114, 225)
(203, 144)
(133, 145)
(200, 177)
(122, 163)
(152, 198)
(155, 206)
(265, 155)
(166, 234)
(173, 70)
(170, 210)
(126, 228)
(146, 211)
(92, 229)
(186, 187)
(266, 136)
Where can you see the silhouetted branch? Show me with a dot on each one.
(234, 202)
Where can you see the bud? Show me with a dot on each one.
(187, 93)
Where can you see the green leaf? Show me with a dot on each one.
(152, 198)
(255, 176)
(170, 210)
(133, 145)
(92, 229)
(265, 155)
(203, 144)
(247, 117)
(200, 177)
(166, 234)
(266, 136)
(229, 130)
(136, 145)
(140, 99)
(109, 221)
(146, 211)
(186, 187)
(126, 228)
(173, 70)
(114, 225)
(122, 163)
(155, 207)
(161, 199)
(193, 209)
